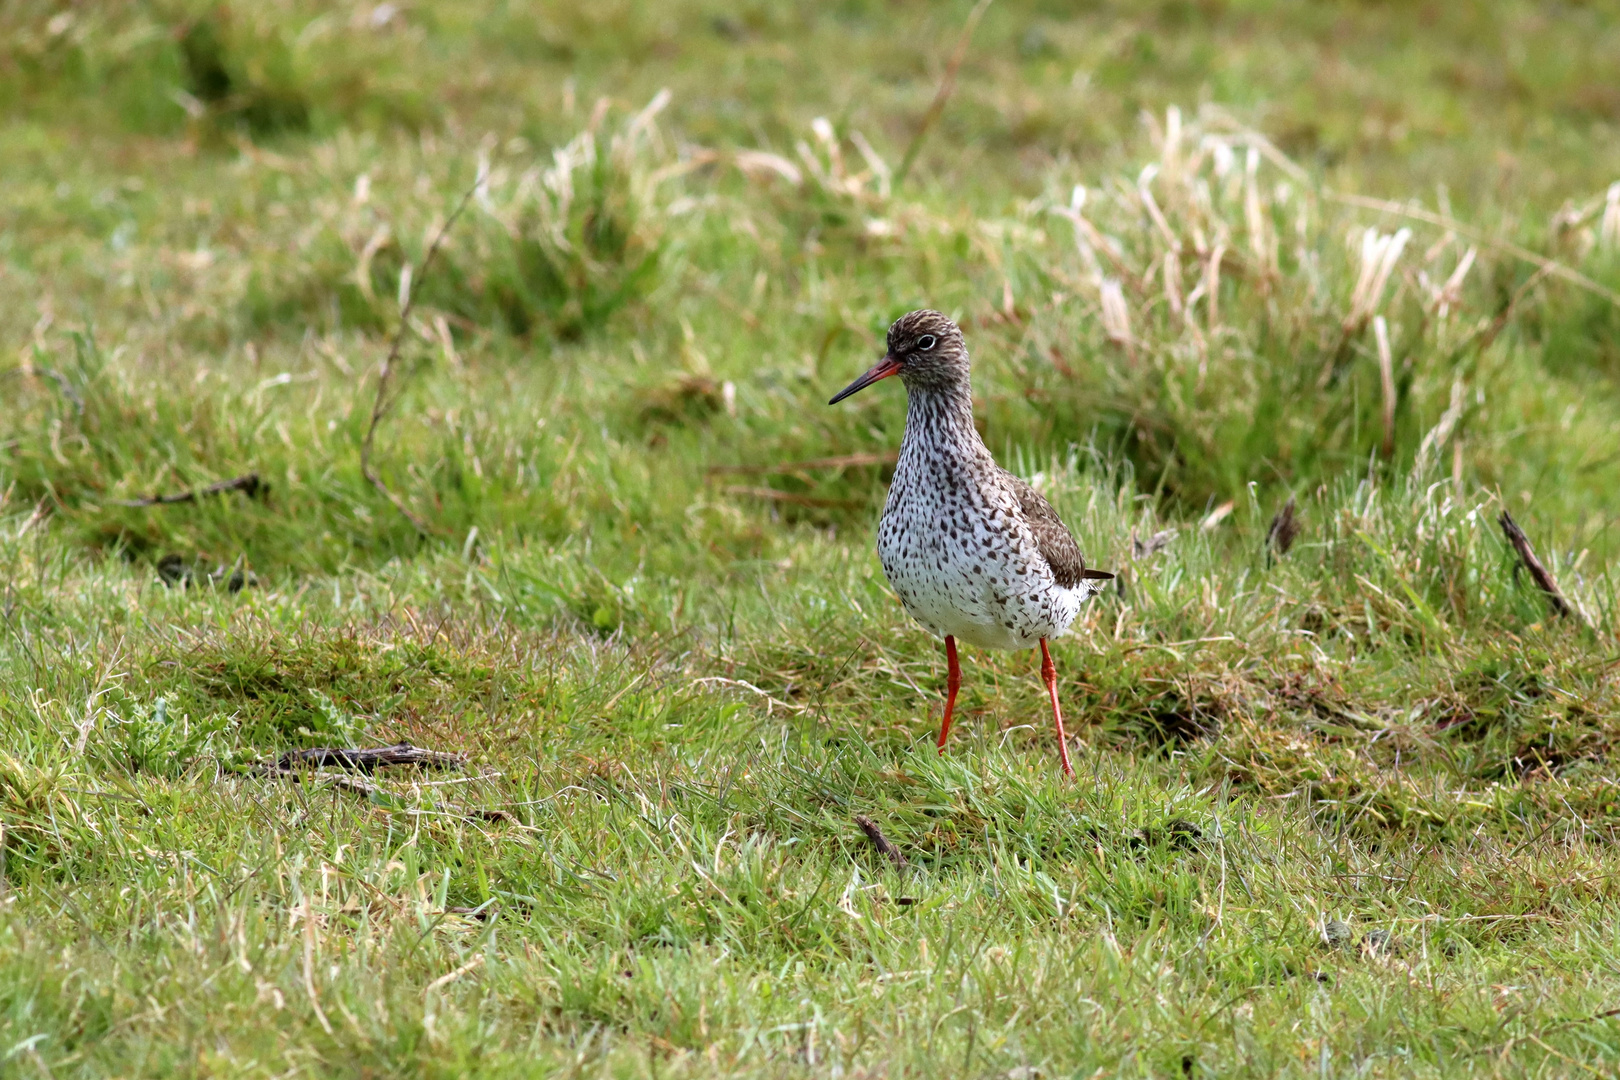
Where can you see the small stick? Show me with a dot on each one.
(369, 760)
(297, 765)
(1284, 527)
(445, 980)
(1143, 549)
(247, 483)
(62, 382)
(1386, 376)
(1538, 573)
(1497, 324)
(947, 85)
(881, 842)
(380, 406)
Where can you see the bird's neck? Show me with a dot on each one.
(940, 415)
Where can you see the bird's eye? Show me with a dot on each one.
(926, 342)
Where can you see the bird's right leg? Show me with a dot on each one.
(1049, 676)
(953, 681)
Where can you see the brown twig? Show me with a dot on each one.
(1538, 573)
(62, 382)
(1386, 380)
(1144, 549)
(883, 457)
(302, 765)
(881, 842)
(248, 483)
(1284, 527)
(369, 760)
(947, 86)
(1506, 314)
(386, 371)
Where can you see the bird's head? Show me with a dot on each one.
(925, 349)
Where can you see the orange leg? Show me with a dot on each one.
(1049, 673)
(953, 680)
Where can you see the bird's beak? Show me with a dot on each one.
(889, 365)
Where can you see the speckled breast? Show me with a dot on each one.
(963, 562)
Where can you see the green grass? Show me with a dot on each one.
(1345, 810)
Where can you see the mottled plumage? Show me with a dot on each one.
(972, 551)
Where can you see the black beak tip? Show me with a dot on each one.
(885, 367)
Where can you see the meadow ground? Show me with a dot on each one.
(1346, 801)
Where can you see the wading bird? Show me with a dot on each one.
(973, 551)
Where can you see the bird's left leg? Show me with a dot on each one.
(953, 682)
(1049, 673)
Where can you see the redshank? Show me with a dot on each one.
(972, 551)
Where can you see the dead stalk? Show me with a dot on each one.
(248, 483)
(1386, 377)
(881, 842)
(1538, 573)
(103, 677)
(1212, 287)
(1284, 528)
(1505, 316)
(947, 86)
(309, 966)
(410, 288)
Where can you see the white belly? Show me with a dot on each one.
(974, 576)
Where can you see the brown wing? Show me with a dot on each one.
(1052, 537)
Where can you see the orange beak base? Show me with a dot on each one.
(889, 365)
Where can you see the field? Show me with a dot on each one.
(455, 374)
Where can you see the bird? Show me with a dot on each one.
(974, 553)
